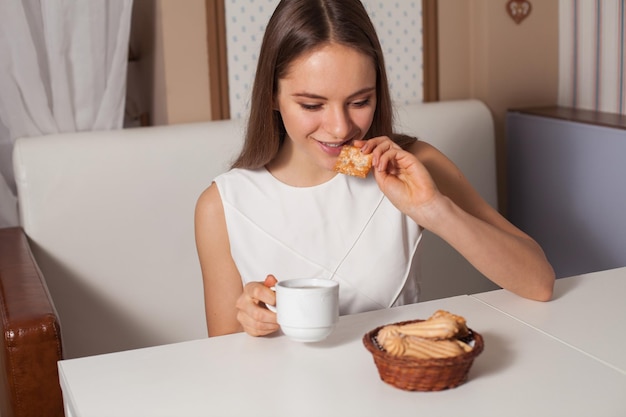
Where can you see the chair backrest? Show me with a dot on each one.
(110, 218)
(463, 130)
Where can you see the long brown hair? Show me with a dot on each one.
(296, 27)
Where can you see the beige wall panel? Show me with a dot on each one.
(484, 54)
(186, 69)
(454, 50)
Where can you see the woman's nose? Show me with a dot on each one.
(338, 123)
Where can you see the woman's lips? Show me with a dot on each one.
(332, 148)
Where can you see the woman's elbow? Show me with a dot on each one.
(545, 290)
(544, 295)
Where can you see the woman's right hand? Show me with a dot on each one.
(254, 317)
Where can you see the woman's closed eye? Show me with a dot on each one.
(311, 107)
(361, 103)
(357, 104)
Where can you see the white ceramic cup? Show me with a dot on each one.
(307, 308)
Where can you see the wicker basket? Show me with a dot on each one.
(413, 374)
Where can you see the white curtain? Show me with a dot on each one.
(592, 60)
(62, 69)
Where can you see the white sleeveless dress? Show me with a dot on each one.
(344, 229)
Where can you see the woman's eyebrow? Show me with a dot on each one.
(304, 94)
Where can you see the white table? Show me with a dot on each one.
(523, 371)
(588, 312)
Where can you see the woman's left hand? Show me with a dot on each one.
(400, 175)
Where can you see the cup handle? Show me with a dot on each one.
(269, 306)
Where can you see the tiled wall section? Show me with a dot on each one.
(592, 48)
(399, 26)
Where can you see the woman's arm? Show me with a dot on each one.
(222, 283)
(429, 188)
(230, 308)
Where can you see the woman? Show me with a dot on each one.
(283, 212)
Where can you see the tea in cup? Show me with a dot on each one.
(307, 308)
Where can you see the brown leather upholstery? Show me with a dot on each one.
(31, 346)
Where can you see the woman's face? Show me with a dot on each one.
(326, 100)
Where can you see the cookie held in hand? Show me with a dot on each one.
(352, 161)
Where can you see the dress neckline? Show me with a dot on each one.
(321, 185)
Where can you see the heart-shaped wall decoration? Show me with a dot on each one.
(518, 9)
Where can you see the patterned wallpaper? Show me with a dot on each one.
(399, 26)
(592, 47)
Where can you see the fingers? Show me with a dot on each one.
(253, 324)
(252, 314)
(384, 152)
(270, 281)
(379, 147)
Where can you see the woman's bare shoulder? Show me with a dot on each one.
(210, 197)
(209, 205)
(426, 152)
